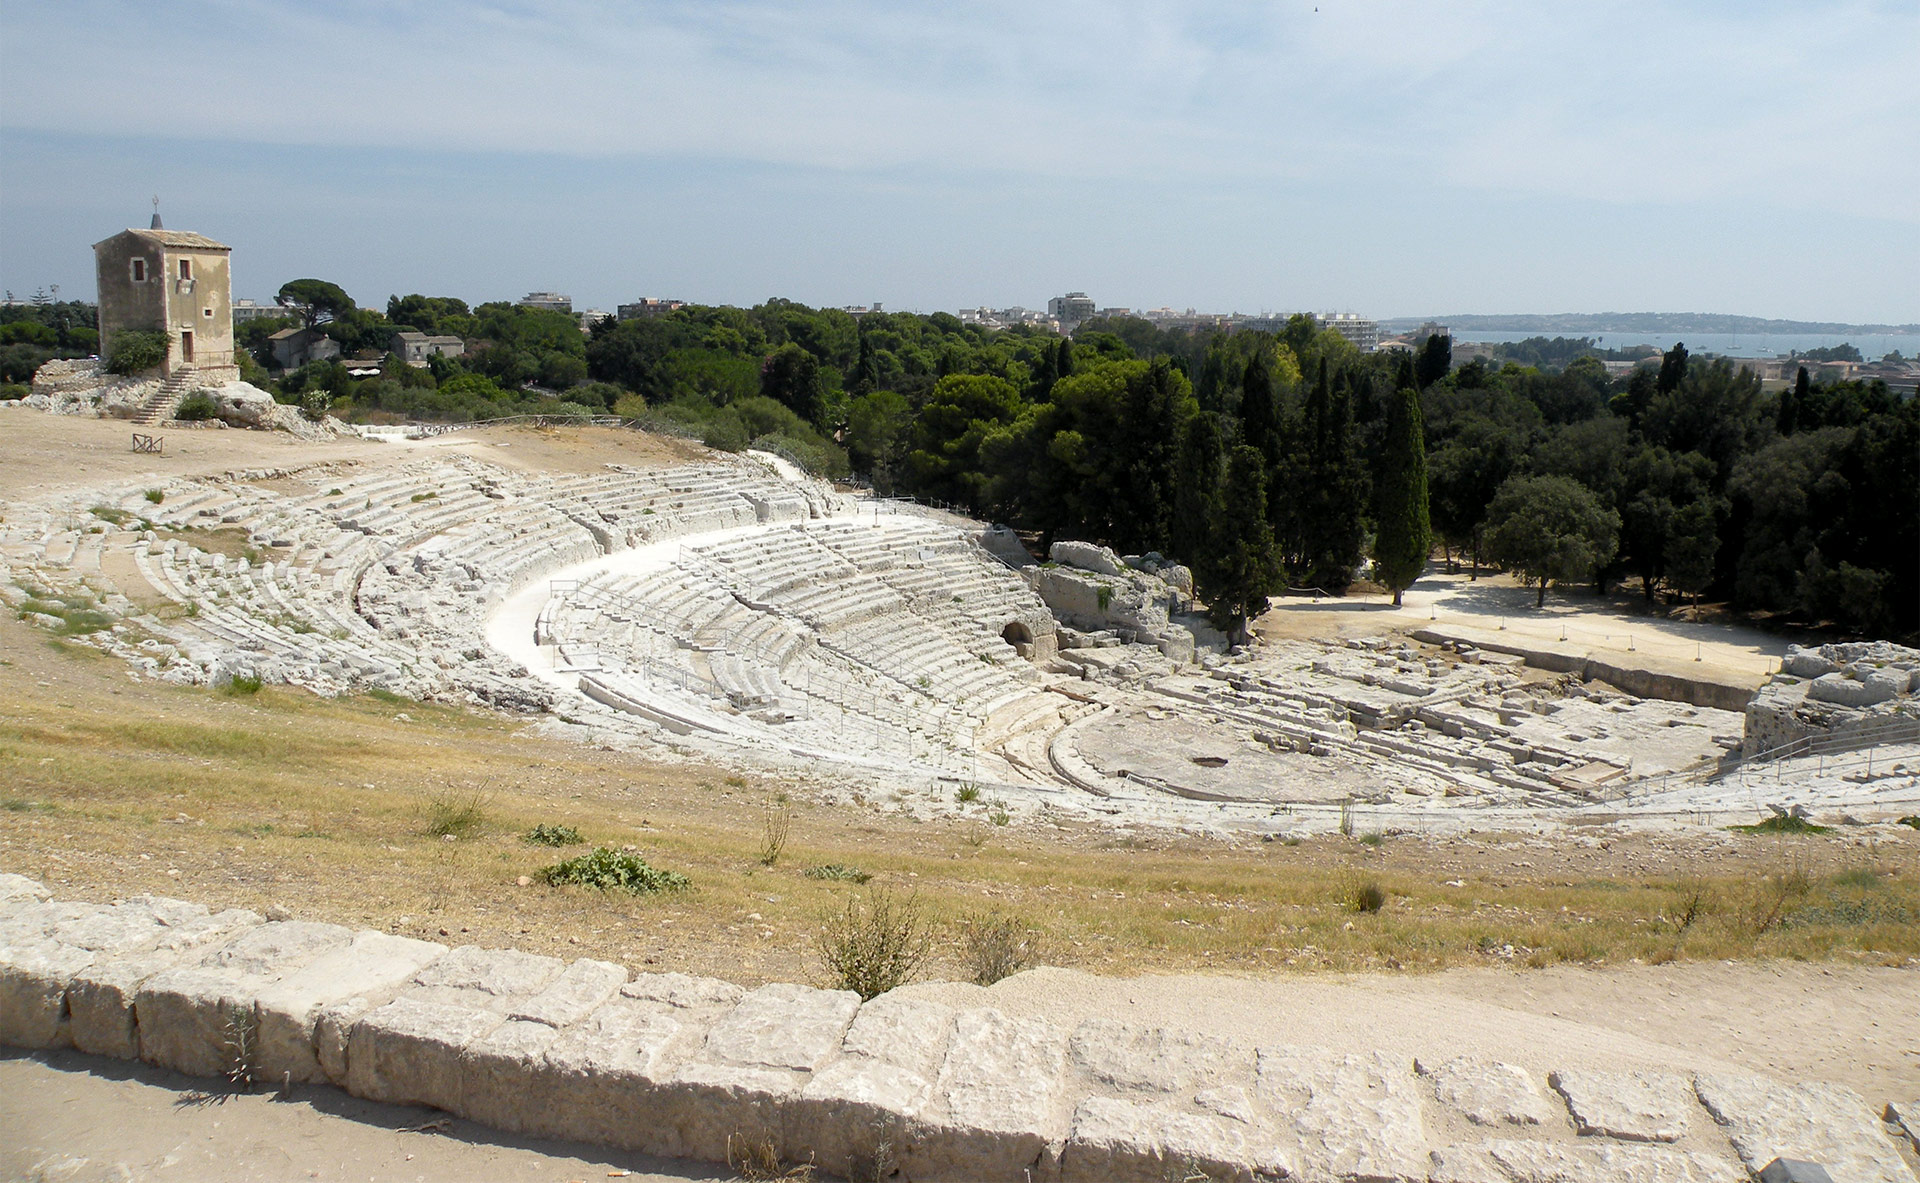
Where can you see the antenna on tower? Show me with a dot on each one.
(156, 213)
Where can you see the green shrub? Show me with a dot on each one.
(997, 947)
(134, 350)
(874, 944)
(240, 685)
(967, 793)
(449, 815)
(551, 835)
(196, 407)
(13, 392)
(1912, 819)
(838, 872)
(1781, 823)
(609, 870)
(156, 496)
(1365, 895)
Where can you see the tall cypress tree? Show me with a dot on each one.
(1197, 510)
(1435, 360)
(1333, 490)
(1259, 413)
(1242, 568)
(1404, 534)
(1063, 358)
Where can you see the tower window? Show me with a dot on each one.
(139, 271)
(186, 269)
(207, 312)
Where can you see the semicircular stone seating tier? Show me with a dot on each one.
(786, 620)
(881, 636)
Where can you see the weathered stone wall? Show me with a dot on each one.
(676, 1065)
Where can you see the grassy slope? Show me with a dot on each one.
(112, 787)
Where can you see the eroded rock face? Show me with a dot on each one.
(1840, 691)
(1086, 556)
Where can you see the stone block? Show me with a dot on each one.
(499, 1085)
(682, 990)
(20, 888)
(1350, 1116)
(755, 1057)
(497, 980)
(1816, 1122)
(100, 998)
(288, 1011)
(1806, 663)
(1087, 557)
(1159, 1059)
(1637, 1106)
(1514, 1161)
(579, 990)
(1000, 1106)
(608, 1073)
(1127, 1140)
(411, 1052)
(1906, 1116)
(783, 1026)
(1844, 691)
(1488, 1092)
(33, 991)
(198, 1018)
(868, 1097)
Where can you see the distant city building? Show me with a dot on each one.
(1070, 309)
(415, 348)
(1430, 329)
(1364, 334)
(862, 309)
(591, 317)
(646, 307)
(246, 310)
(173, 282)
(547, 301)
(1006, 318)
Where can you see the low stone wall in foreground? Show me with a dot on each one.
(896, 1087)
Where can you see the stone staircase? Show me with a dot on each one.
(164, 400)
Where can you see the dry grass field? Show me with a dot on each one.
(412, 818)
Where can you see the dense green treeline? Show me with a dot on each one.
(1263, 460)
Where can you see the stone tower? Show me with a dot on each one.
(175, 282)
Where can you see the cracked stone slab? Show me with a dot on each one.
(1637, 1106)
(607, 1073)
(498, 1085)
(574, 995)
(1488, 1092)
(999, 1107)
(882, 1080)
(409, 1052)
(683, 990)
(1351, 1116)
(194, 1017)
(1117, 1139)
(783, 1026)
(496, 980)
(1815, 1122)
(288, 1011)
(1159, 1059)
(100, 997)
(1516, 1161)
(33, 991)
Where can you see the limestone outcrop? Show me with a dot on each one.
(1091, 589)
(1845, 694)
(899, 1086)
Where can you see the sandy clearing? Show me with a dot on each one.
(1617, 626)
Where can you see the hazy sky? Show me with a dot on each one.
(1388, 158)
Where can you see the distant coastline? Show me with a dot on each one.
(1585, 323)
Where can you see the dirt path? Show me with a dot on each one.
(81, 1119)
